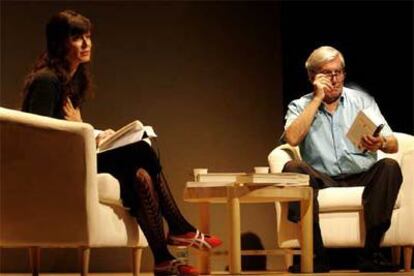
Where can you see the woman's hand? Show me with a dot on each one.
(103, 135)
(71, 113)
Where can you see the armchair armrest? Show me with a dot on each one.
(407, 186)
(405, 220)
(48, 179)
(281, 155)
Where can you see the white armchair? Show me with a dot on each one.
(341, 215)
(51, 194)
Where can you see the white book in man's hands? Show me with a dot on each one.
(130, 133)
(365, 124)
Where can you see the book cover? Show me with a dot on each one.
(293, 179)
(219, 177)
(130, 133)
(365, 123)
(193, 184)
(228, 179)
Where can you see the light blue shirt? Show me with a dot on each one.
(326, 147)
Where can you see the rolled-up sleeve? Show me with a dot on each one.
(293, 111)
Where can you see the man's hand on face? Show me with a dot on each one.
(372, 143)
(321, 85)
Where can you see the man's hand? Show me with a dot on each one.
(372, 143)
(103, 135)
(321, 85)
(71, 113)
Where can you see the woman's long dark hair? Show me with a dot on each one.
(59, 29)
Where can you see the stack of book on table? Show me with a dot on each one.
(250, 179)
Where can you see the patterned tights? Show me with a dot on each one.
(145, 190)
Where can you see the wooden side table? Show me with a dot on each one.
(235, 194)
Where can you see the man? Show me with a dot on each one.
(317, 123)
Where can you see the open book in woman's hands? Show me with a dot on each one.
(131, 133)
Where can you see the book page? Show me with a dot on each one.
(132, 132)
(362, 125)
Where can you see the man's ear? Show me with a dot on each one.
(311, 77)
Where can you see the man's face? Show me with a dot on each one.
(335, 73)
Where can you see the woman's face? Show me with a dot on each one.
(80, 48)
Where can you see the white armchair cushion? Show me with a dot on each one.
(336, 199)
(109, 190)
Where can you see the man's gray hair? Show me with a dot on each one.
(319, 57)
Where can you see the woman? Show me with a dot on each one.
(57, 87)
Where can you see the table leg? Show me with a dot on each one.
(234, 223)
(203, 258)
(306, 207)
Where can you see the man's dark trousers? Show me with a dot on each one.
(382, 183)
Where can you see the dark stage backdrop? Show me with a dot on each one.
(206, 75)
(376, 39)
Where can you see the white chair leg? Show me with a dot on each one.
(408, 255)
(136, 260)
(34, 257)
(84, 256)
(396, 254)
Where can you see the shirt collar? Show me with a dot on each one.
(344, 95)
(342, 99)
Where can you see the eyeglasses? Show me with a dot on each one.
(334, 73)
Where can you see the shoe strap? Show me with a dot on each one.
(197, 241)
(171, 267)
